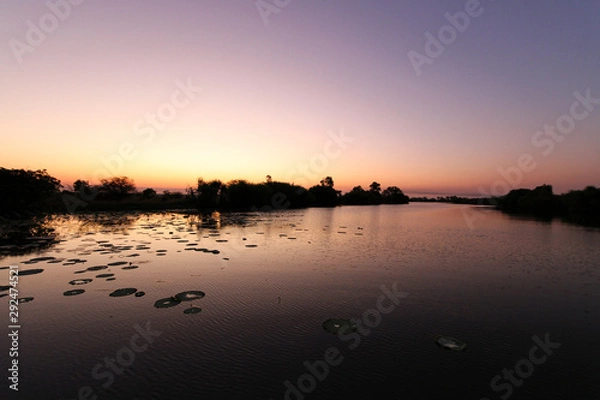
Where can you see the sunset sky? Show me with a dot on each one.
(166, 92)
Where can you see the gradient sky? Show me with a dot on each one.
(273, 94)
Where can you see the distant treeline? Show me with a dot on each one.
(243, 195)
(579, 206)
(454, 200)
(26, 192)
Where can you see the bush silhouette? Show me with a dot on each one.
(116, 187)
(25, 190)
(324, 195)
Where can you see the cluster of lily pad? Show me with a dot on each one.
(178, 298)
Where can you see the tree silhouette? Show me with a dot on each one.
(375, 187)
(327, 181)
(324, 195)
(209, 194)
(148, 193)
(117, 187)
(81, 186)
(25, 189)
(393, 195)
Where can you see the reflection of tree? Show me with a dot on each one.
(22, 236)
(111, 222)
(216, 220)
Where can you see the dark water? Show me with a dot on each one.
(271, 281)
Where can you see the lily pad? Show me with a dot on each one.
(166, 303)
(113, 264)
(192, 310)
(339, 325)
(25, 299)
(30, 272)
(104, 275)
(97, 268)
(450, 343)
(139, 294)
(38, 259)
(3, 288)
(80, 281)
(190, 295)
(123, 292)
(130, 267)
(73, 292)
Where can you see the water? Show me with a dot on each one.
(270, 282)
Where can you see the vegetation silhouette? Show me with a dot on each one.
(323, 194)
(148, 193)
(25, 192)
(373, 196)
(578, 206)
(29, 193)
(27, 234)
(240, 195)
(482, 201)
(117, 187)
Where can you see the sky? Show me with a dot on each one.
(447, 97)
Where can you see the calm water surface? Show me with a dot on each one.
(272, 279)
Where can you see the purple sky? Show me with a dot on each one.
(322, 88)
